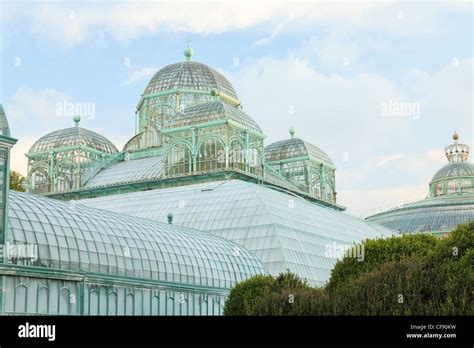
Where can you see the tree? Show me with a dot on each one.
(17, 181)
(245, 295)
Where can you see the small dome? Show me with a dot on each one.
(295, 147)
(211, 111)
(71, 137)
(454, 169)
(190, 75)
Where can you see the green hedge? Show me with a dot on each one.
(404, 275)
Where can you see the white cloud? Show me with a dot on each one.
(138, 74)
(18, 160)
(269, 39)
(36, 107)
(32, 113)
(323, 108)
(73, 23)
(342, 115)
(385, 160)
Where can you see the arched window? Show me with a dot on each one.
(328, 193)
(42, 300)
(466, 186)
(65, 176)
(130, 304)
(179, 160)
(316, 187)
(254, 161)
(211, 155)
(39, 181)
(64, 301)
(21, 299)
(451, 186)
(113, 301)
(236, 155)
(439, 189)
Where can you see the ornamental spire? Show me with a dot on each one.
(292, 132)
(188, 52)
(77, 119)
(457, 152)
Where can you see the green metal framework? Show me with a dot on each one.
(304, 164)
(66, 159)
(212, 136)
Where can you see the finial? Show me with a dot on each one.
(77, 119)
(188, 52)
(457, 152)
(455, 136)
(170, 218)
(292, 132)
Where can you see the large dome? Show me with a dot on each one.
(71, 137)
(192, 76)
(454, 169)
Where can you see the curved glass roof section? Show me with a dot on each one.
(282, 230)
(454, 169)
(4, 127)
(137, 170)
(189, 75)
(294, 147)
(79, 238)
(73, 136)
(212, 111)
(438, 214)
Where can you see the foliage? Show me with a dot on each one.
(404, 275)
(17, 181)
(245, 295)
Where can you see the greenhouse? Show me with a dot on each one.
(450, 199)
(192, 204)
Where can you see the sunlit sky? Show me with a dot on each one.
(329, 69)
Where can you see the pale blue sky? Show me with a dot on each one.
(334, 64)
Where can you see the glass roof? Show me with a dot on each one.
(282, 230)
(189, 75)
(455, 169)
(129, 171)
(211, 111)
(294, 147)
(75, 237)
(442, 213)
(73, 136)
(4, 128)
